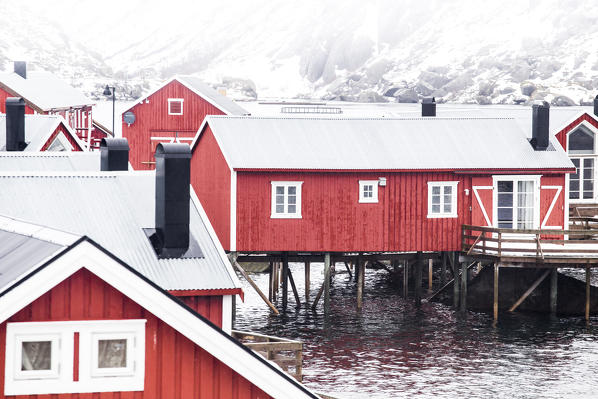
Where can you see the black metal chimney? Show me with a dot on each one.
(596, 106)
(15, 124)
(429, 106)
(540, 126)
(20, 69)
(114, 154)
(173, 163)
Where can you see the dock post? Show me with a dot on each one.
(495, 305)
(270, 282)
(463, 301)
(588, 275)
(553, 290)
(456, 280)
(327, 282)
(359, 266)
(405, 279)
(285, 281)
(443, 269)
(307, 282)
(430, 273)
(418, 279)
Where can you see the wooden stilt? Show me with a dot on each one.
(588, 275)
(418, 279)
(443, 269)
(495, 305)
(553, 290)
(307, 282)
(294, 287)
(430, 273)
(348, 270)
(275, 281)
(456, 282)
(254, 285)
(318, 296)
(405, 279)
(529, 290)
(463, 299)
(359, 267)
(285, 282)
(270, 281)
(327, 263)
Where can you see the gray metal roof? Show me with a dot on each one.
(201, 88)
(49, 161)
(400, 144)
(25, 245)
(112, 209)
(45, 90)
(38, 129)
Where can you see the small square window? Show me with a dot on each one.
(442, 199)
(286, 200)
(37, 356)
(112, 354)
(368, 191)
(175, 106)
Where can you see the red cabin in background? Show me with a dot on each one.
(173, 112)
(46, 94)
(397, 185)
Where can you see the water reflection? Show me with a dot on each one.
(392, 349)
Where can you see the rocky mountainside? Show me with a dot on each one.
(509, 51)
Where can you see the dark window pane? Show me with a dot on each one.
(292, 208)
(447, 208)
(279, 190)
(279, 208)
(448, 190)
(574, 185)
(292, 199)
(574, 194)
(112, 353)
(435, 199)
(435, 208)
(588, 195)
(505, 186)
(36, 355)
(505, 214)
(436, 190)
(292, 190)
(505, 225)
(581, 141)
(505, 199)
(575, 162)
(588, 185)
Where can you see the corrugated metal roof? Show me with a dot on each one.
(402, 144)
(50, 161)
(45, 90)
(224, 103)
(112, 209)
(38, 129)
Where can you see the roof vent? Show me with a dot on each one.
(540, 126)
(114, 154)
(15, 124)
(429, 106)
(596, 106)
(20, 68)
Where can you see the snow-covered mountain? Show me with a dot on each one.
(378, 50)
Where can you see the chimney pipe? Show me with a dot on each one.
(429, 106)
(596, 106)
(540, 126)
(20, 68)
(114, 154)
(173, 163)
(15, 124)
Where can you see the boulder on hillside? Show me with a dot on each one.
(407, 96)
(527, 88)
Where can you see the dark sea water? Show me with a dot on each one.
(391, 349)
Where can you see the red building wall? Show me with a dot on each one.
(174, 366)
(61, 129)
(152, 120)
(562, 135)
(4, 95)
(210, 178)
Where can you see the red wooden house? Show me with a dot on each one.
(46, 94)
(20, 132)
(321, 184)
(77, 321)
(172, 112)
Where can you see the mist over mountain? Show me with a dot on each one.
(384, 50)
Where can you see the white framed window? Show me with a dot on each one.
(175, 106)
(286, 199)
(516, 202)
(368, 191)
(60, 143)
(581, 146)
(442, 199)
(111, 357)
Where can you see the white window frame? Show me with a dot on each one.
(593, 155)
(286, 185)
(454, 207)
(515, 179)
(91, 379)
(178, 100)
(55, 361)
(62, 140)
(368, 200)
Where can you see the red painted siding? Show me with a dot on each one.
(61, 129)
(562, 135)
(208, 306)
(210, 178)
(4, 95)
(152, 120)
(175, 367)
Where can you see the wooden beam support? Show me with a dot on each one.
(359, 271)
(285, 282)
(292, 281)
(405, 279)
(307, 282)
(327, 263)
(318, 296)
(529, 290)
(463, 288)
(430, 273)
(418, 280)
(443, 269)
(588, 292)
(495, 304)
(270, 281)
(348, 270)
(254, 285)
(456, 284)
(554, 275)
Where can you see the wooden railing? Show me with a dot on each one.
(287, 353)
(528, 243)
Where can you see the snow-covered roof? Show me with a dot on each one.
(45, 161)
(38, 129)
(45, 90)
(205, 91)
(379, 144)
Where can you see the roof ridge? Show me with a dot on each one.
(361, 118)
(19, 226)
